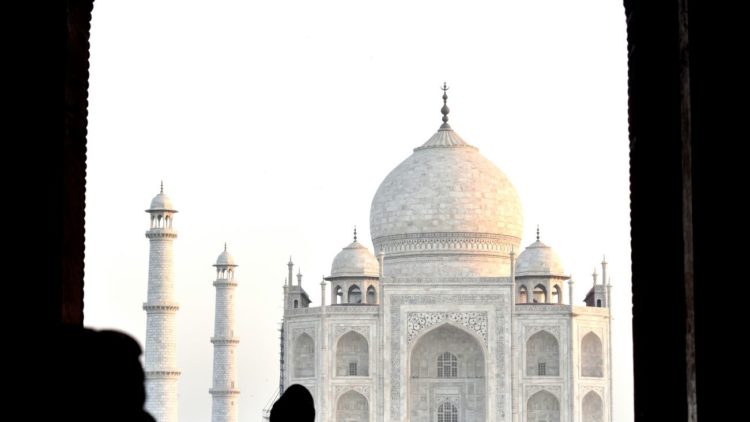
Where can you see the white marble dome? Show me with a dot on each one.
(539, 259)
(161, 202)
(448, 199)
(355, 260)
(225, 259)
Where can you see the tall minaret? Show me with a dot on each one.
(160, 360)
(225, 389)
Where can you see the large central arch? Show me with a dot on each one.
(447, 365)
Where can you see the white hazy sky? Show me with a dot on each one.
(272, 123)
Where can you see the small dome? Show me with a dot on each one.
(161, 202)
(539, 259)
(225, 259)
(355, 260)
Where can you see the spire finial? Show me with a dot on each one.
(445, 110)
(355, 233)
(537, 232)
(161, 188)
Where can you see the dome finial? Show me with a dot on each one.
(225, 246)
(355, 233)
(161, 188)
(445, 110)
(537, 232)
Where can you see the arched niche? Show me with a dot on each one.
(431, 355)
(542, 355)
(304, 356)
(352, 355)
(352, 406)
(543, 407)
(592, 361)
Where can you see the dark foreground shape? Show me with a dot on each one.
(98, 376)
(295, 405)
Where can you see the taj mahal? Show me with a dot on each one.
(446, 319)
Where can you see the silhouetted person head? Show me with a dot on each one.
(295, 405)
(99, 376)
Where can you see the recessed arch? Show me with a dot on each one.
(352, 355)
(523, 294)
(540, 294)
(592, 408)
(355, 294)
(592, 359)
(557, 294)
(372, 296)
(543, 406)
(304, 356)
(451, 341)
(352, 406)
(542, 355)
(339, 294)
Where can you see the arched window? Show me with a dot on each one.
(355, 295)
(542, 355)
(371, 295)
(598, 303)
(447, 412)
(523, 295)
(592, 408)
(591, 356)
(296, 303)
(352, 355)
(540, 294)
(557, 294)
(543, 407)
(339, 295)
(304, 356)
(447, 366)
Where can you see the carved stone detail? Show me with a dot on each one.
(419, 321)
(340, 330)
(499, 301)
(585, 389)
(296, 331)
(533, 329)
(533, 389)
(340, 389)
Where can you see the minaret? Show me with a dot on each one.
(225, 389)
(160, 357)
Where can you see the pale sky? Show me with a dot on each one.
(273, 123)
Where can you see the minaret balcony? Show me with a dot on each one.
(161, 233)
(225, 341)
(223, 391)
(160, 307)
(173, 374)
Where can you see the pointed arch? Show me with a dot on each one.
(352, 355)
(523, 294)
(591, 356)
(355, 294)
(352, 406)
(557, 294)
(542, 355)
(540, 294)
(372, 296)
(592, 408)
(304, 356)
(543, 407)
(339, 295)
(449, 356)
